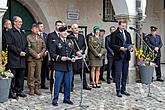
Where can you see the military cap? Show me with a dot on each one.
(63, 28)
(153, 28)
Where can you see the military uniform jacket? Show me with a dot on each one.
(59, 49)
(17, 42)
(96, 46)
(154, 41)
(35, 47)
(51, 38)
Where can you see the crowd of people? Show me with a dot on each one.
(58, 55)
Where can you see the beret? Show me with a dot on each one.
(62, 29)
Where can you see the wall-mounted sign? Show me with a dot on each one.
(72, 15)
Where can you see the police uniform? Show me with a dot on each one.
(155, 41)
(58, 49)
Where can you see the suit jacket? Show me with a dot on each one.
(35, 47)
(81, 42)
(59, 49)
(45, 36)
(16, 44)
(116, 42)
(154, 41)
(96, 46)
(110, 52)
(51, 38)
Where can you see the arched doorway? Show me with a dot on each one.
(17, 9)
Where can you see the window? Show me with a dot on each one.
(108, 11)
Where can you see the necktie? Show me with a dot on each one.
(122, 36)
(58, 34)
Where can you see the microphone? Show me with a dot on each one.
(133, 29)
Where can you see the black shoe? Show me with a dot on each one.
(54, 103)
(87, 88)
(108, 82)
(44, 87)
(159, 79)
(125, 93)
(22, 94)
(68, 102)
(98, 86)
(102, 79)
(119, 94)
(13, 96)
(61, 91)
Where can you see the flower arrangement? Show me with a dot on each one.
(145, 58)
(4, 61)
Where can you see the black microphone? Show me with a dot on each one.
(133, 29)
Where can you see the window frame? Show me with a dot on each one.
(109, 20)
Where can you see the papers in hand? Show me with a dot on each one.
(128, 46)
(76, 58)
(79, 57)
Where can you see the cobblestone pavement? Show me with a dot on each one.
(103, 98)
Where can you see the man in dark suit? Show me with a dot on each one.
(17, 52)
(61, 53)
(52, 37)
(110, 55)
(155, 43)
(120, 43)
(80, 48)
(45, 69)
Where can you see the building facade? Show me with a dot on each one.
(88, 13)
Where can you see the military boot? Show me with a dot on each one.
(37, 90)
(31, 92)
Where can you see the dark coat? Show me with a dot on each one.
(116, 42)
(4, 39)
(154, 41)
(45, 36)
(51, 38)
(16, 44)
(81, 42)
(59, 49)
(110, 52)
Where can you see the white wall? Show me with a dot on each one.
(91, 12)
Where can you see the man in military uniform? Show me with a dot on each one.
(51, 38)
(61, 52)
(37, 48)
(155, 43)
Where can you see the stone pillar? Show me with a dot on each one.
(2, 12)
(132, 69)
(131, 22)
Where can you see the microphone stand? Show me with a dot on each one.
(82, 72)
(149, 92)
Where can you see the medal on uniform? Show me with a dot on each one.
(59, 46)
(69, 44)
